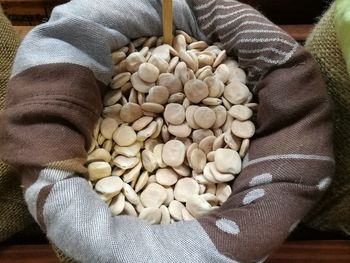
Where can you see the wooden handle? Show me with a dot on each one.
(167, 21)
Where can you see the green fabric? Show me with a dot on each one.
(333, 212)
(342, 25)
(14, 214)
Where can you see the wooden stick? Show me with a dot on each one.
(167, 21)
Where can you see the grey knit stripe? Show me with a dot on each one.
(80, 224)
(46, 177)
(288, 157)
(85, 32)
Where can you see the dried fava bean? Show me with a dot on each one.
(232, 141)
(190, 116)
(243, 129)
(148, 72)
(165, 215)
(151, 215)
(223, 192)
(171, 82)
(160, 123)
(142, 181)
(196, 90)
(162, 52)
(173, 153)
(180, 131)
(98, 155)
(200, 134)
(185, 188)
(112, 97)
(236, 92)
(131, 112)
(220, 177)
(141, 123)
(130, 194)
(187, 37)
(177, 98)
(149, 161)
(118, 56)
(228, 161)
(220, 58)
(151, 42)
(237, 74)
(157, 151)
(204, 117)
(117, 205)
(198, 206)
(160, 63)
(166, 177)
(175, 210)
(132, 174)
(152, 107)
(129, 209)
(110, 186)
(126, 162)
(206, 145)
(139, 84)
(185, 57)
(98, 170)
(186, 216)
(221, 114)
(212, 101)
(181, 72)
(198, 160)
(244, 147)
(154, 195)
(182, 170)
(120, 80)
(215, 85)
(128, 151)
(241, 112)
(124, 136)
(201, 45)
(133, 61)
(174, 113)
(172, 64)
(147, 132)
(179, 42)
(158, 94)
(222, 72)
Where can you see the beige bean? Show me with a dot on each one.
(236, 92)
(196, 90)
(166, 177)
(207, 173)
(149, 161)
(99, 170)
(139, 84)
(200, 45)
(215, 85)
(211, 156)
(142, 181)
(244, 147)
(221, 115)
(165, 215)
(179, 42)
(175, 210)
(190, 116)
(186, 57)
(223, 192)
(240, 112)
(152, 107)
(130, 194)
(141, 123)
(160, 63)
(200, 134)
(185, 188)
(126, 162)
(180, 131)
(107, 145)
(204, 117)
(132, 174)
(186, 216)
(130, 112)
(128, 151)
(158, 94)
(211, 101)
(243, 129)
(177, 98)
(232, 141)
(112, 112)
(222, 72)
(118, 56)
(187, 37)
(154, 195)
(162, 52)
(129, 210)
(99, 155)
(160, 123)
(170, 195)
(165, 133)
(151, 215)
(100, 139)
(124, 136)
(148, 72)
(227, 161)
(173, 153)
(117, 205)
(220, 177)
(220, 58)
(172, 64)
(110, 186)
(117, 171)
(206, 145)
(133, 61)
(147, 132)
(219, 142)
(211, 189)
(205, 60)
(237, 74)
(157, 152)
(182, 170)
(174, 114)
(139, 41)
(198, 160)
(120, 80)
(171, 82)
(198, 206)
(181, 72)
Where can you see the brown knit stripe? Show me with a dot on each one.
(240, 27)
(51, 112)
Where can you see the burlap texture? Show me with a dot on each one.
(14, 214)
(333, 212)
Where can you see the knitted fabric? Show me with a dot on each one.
(14, 213)
(333, 211)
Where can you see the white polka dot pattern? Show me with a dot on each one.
(261, 179)
(253, 195)
(228, 226)
(324, 184)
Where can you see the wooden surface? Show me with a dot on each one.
(290, 252)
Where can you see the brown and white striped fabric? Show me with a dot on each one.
(54, 100)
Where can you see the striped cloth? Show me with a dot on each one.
(54, 102)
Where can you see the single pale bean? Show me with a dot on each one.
(185, 188)
(99, 170)
(149, 161)
(128, 151)
(222, 72)
(240, 112)
(177, 98)
(172, 64)
(165, 133)
(215, 85)
(236, 92)
(244, 147)
(118, 56)
(165, 215)
(187, 37)
(182, 170)
(179, 42)
(204, 117)
(130, 194)
(220, 177)
(139, 84)
(211, 156)
(175, 210)
(185, 57)
(126, 162)
(150, 42)
(171, 82)
(181, 131)
(174, 114)
(160, 63)
(200, 134)
(162, 52)
(190, 116)
(147, 132)
(237, 74)
(198, 160)
(198, 206)
(129, 210)
(139, 42)
(205, 60)
(157, 152)
(107, 145)
(112, 97)
(173, 153)
(196, 90)
(141, 123)
(212, 101)
(151, 215)
(110, 186)
(142, 181)
(130, 112)
(220, 58)
(121, 79)
(232, 141)
(223, 192)
(117, 205)
(148, 72)
(133, 61)
(118, 172)
(124, 136)
(152, 107)
(99, 155)
(228, 161)
(144, 51)
(160, 123)
(243, 129)
(166, 177)
(206, 145)
(201, 45)
(181, 72)
(207, 173)
(132, 174)
(170, 195)
(186, 216)
(158, 94)
(154, 195)
(219, 142)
